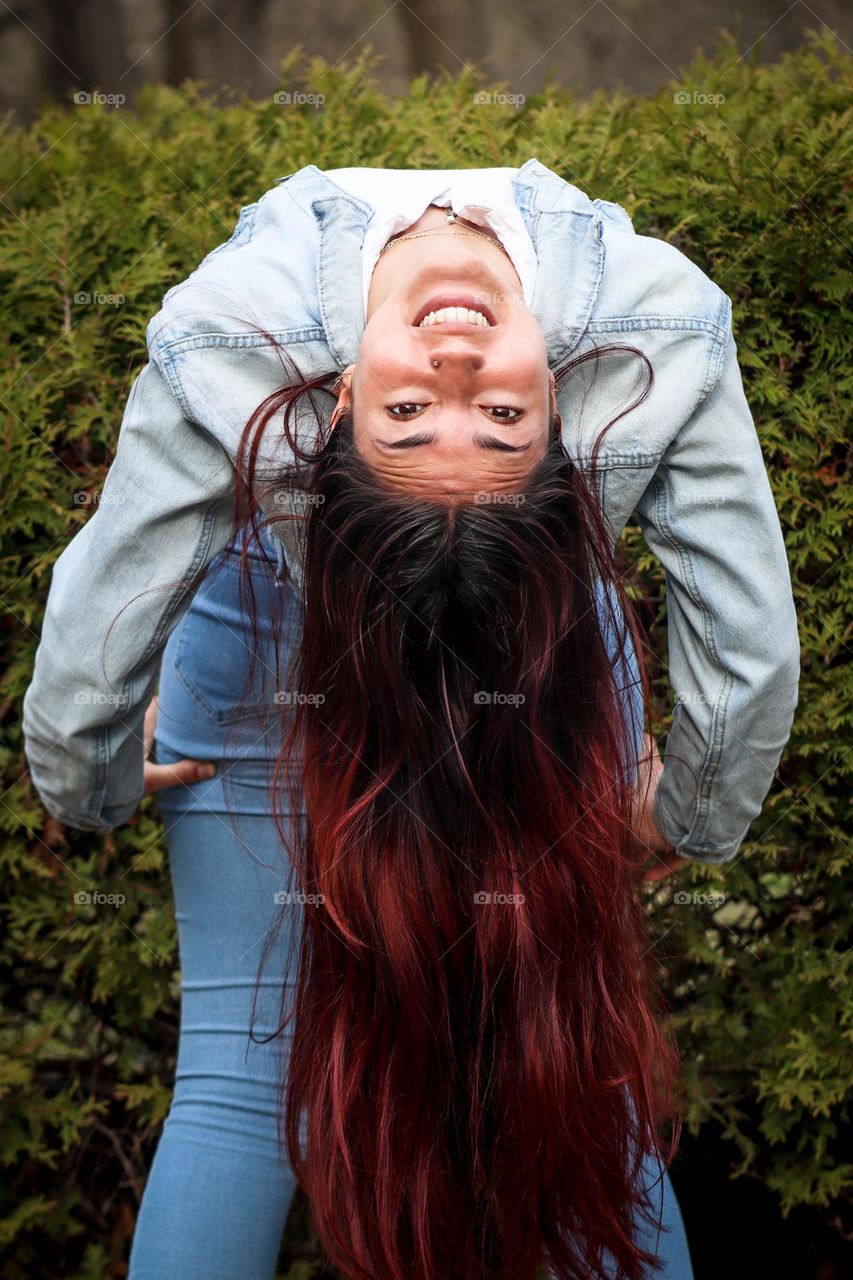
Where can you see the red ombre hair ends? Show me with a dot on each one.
(478, 1056)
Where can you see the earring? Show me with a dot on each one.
(436, 364)
(558, 428)
(337, 388)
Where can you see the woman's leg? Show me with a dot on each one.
(219, 1190)
(670, 1244)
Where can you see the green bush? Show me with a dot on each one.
(126, 202)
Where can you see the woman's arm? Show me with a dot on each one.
(164, 513)
(708, 514)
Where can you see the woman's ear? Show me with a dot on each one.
(553, 384)
(343, 395)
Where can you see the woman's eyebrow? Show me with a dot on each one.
(427, 437)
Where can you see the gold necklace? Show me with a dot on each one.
(450, 217)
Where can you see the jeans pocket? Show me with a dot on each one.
(214, 647)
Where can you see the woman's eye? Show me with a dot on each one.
(410, 408)
(501, 410)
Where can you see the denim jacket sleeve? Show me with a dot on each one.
(708, 514)
(164, 512)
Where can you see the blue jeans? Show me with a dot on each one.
(219, 1190)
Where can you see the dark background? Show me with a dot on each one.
(49, 48)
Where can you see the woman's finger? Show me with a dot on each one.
(149, 725)
(182, 773)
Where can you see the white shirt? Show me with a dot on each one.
(400, 196)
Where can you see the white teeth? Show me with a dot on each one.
(455, 315)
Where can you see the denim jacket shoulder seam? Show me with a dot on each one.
(165, 363)
(715, 363)
(616, 461)
(236, 341)
(623, 324)
(337, 192)
(242, 233)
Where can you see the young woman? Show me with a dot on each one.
(428, 788)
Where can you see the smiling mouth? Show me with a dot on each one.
(466, 311)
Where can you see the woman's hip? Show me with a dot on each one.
(208, 706)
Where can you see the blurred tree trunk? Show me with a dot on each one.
(8, 17)
(443, 33)
(84, 46)
(232, 36)
(181, 42)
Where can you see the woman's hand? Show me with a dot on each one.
(157, 776)
(648, 835)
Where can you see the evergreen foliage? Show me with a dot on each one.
(117, 203)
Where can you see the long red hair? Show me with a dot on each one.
(478, 1060)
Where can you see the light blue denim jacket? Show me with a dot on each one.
(687, 461)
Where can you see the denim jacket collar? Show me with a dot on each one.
(563, 224)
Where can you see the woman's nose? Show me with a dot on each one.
(458, 354)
